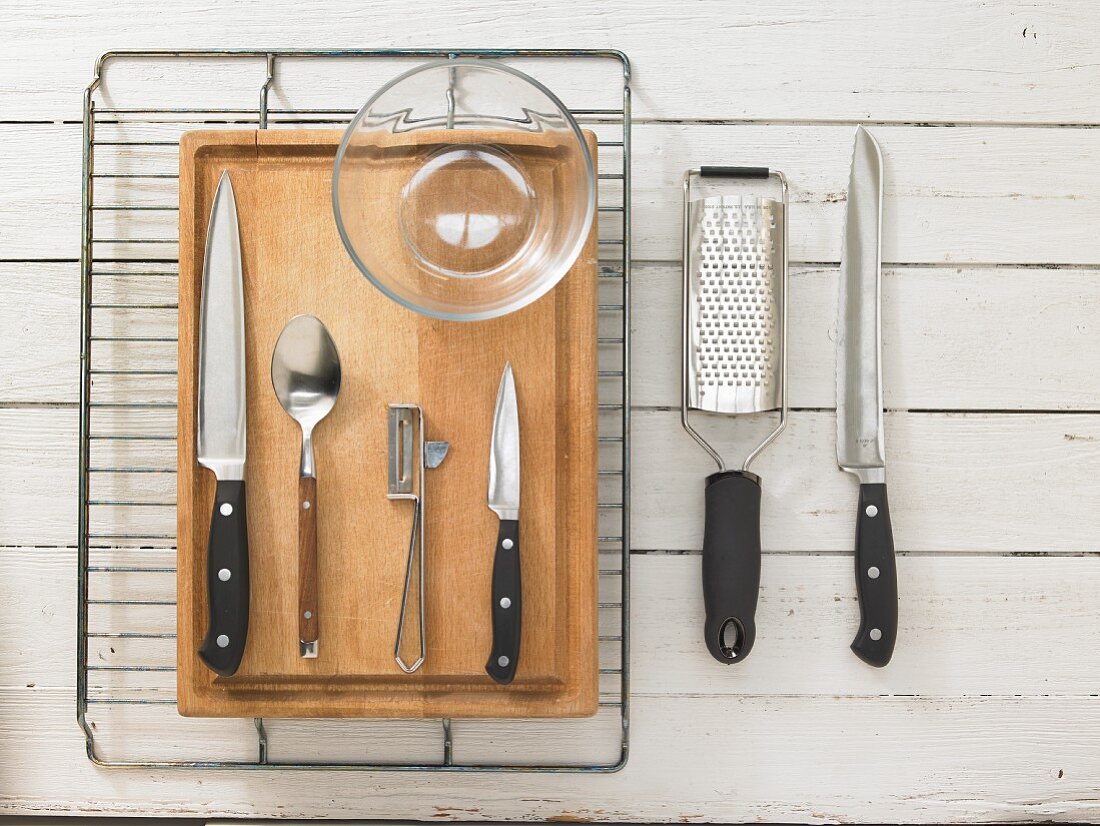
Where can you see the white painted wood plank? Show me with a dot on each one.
(959, 483)
(39, 332)
(38, 476)
(1002, 195)
(706, 758)
(960, 618)
(930, 61)
(38, 597)
(967, 627)
(949, 195)
(953, 338)
(157, 732)
(39, 190)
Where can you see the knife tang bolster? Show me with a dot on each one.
(867, 475)
(226, 470)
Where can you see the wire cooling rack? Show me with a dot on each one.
(135, 109)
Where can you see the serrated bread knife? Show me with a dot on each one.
(860, 443)
(221, 433)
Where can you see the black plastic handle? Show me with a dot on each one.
(227, 581)
(734, 172)
(876, 578)
(731, 564)
(507, 604)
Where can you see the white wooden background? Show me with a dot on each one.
(986, 116)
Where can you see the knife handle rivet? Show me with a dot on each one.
(305, 505)
(505, 602)
(872, 572)
(225, 509)
(224, 574)
(507, 544)
(308, 615)
(223, 641)
(871, 511)
(876, 634)
(503, 661)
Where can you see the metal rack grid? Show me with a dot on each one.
(126, 541)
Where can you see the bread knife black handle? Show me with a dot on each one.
(876, 578)
(731, 564)
(227, 580)
(507, 604)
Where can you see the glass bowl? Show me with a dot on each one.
(464, 189)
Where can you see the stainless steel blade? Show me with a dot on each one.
(860, 444)
(504, 451)
(221, 395)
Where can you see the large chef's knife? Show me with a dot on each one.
(504, 502)
(860, 444)
(221, 433)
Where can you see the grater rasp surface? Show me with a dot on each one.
(735, 318)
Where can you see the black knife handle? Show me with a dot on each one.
(876, 578)
(227, 581)
(507, 604)
(731, 564)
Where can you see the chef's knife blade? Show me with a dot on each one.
(860, 440)
(221, 433)
(504, 502)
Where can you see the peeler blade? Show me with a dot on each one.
(400, 464)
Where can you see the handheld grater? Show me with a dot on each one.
(734, 351)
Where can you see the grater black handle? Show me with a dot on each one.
(734, 172)
(731, 564)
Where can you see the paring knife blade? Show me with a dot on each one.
(504, 502)
(221, 433)
(861, 447)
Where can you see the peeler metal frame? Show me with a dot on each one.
(400, 487)
(740, 172)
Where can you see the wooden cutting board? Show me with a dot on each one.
(294, 262)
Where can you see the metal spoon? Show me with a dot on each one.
(305, 372)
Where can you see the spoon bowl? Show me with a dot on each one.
(305, 372)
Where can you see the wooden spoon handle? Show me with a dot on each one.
(307, 566)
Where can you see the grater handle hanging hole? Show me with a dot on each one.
(731, 564)
(730, 636)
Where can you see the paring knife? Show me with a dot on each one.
(860, 443)
(221, 433)
(504, 502)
